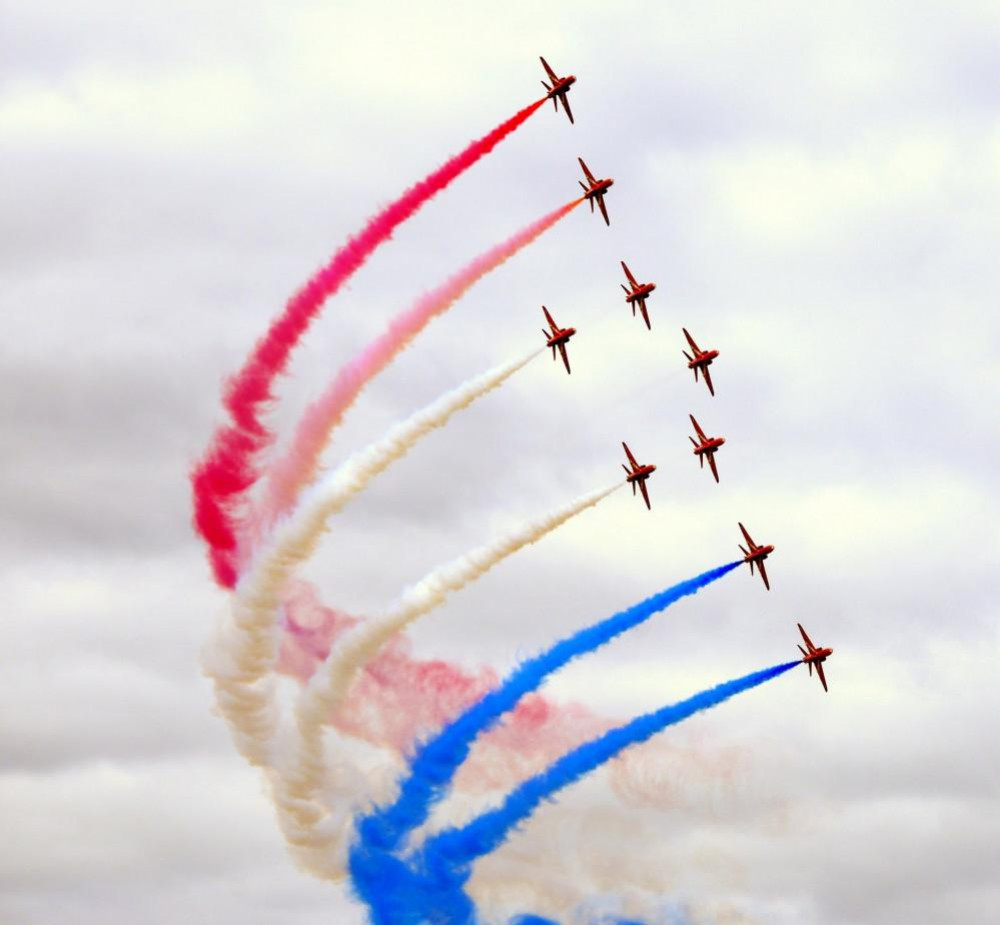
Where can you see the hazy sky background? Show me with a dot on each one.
(816, 192)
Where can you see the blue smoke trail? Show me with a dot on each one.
(445, 861)
(436, 761)
(429, 888)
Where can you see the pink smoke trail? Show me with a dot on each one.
(221, 479)
(399, 699)
(289, 474)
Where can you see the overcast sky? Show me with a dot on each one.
(816, 192)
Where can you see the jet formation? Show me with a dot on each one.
(698, 360)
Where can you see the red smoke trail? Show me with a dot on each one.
(288, 475)
(228, 469)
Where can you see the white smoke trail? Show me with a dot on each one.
(241, 657)
(329, 686)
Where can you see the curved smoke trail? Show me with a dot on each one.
(287, 475)
(430, 887)
(435, 763)
(398, 698)
(240, 663)
(329, 686)
(221, 479)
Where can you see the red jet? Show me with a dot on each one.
(637, 294)
(814, 657)
(756, 554)
(558, 337)
(707, 447)
(637, 475)
(559, 89)
(702, 359)
(596, 190)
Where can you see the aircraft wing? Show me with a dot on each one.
(711, 463)
(548, 318)
(746, 536)
(808, 641)
(631, 278)
(763, 574)
(690, 340)
(565, 102)
(645, 494)
(604, 209)
(698, 429)
(562, 350)
(586, 172)
(548, 70)
(708, 380)
(822, 677)
(645, 314)
(631, 458)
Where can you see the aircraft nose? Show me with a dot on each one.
(611, 182)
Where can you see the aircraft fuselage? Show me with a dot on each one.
(703, 359)
(561, 337)
(759, 554)
(820, 655)
(561, 85)
(640, 292)
(709, 446)
(599, 188)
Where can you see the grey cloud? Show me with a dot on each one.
(143, 253)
